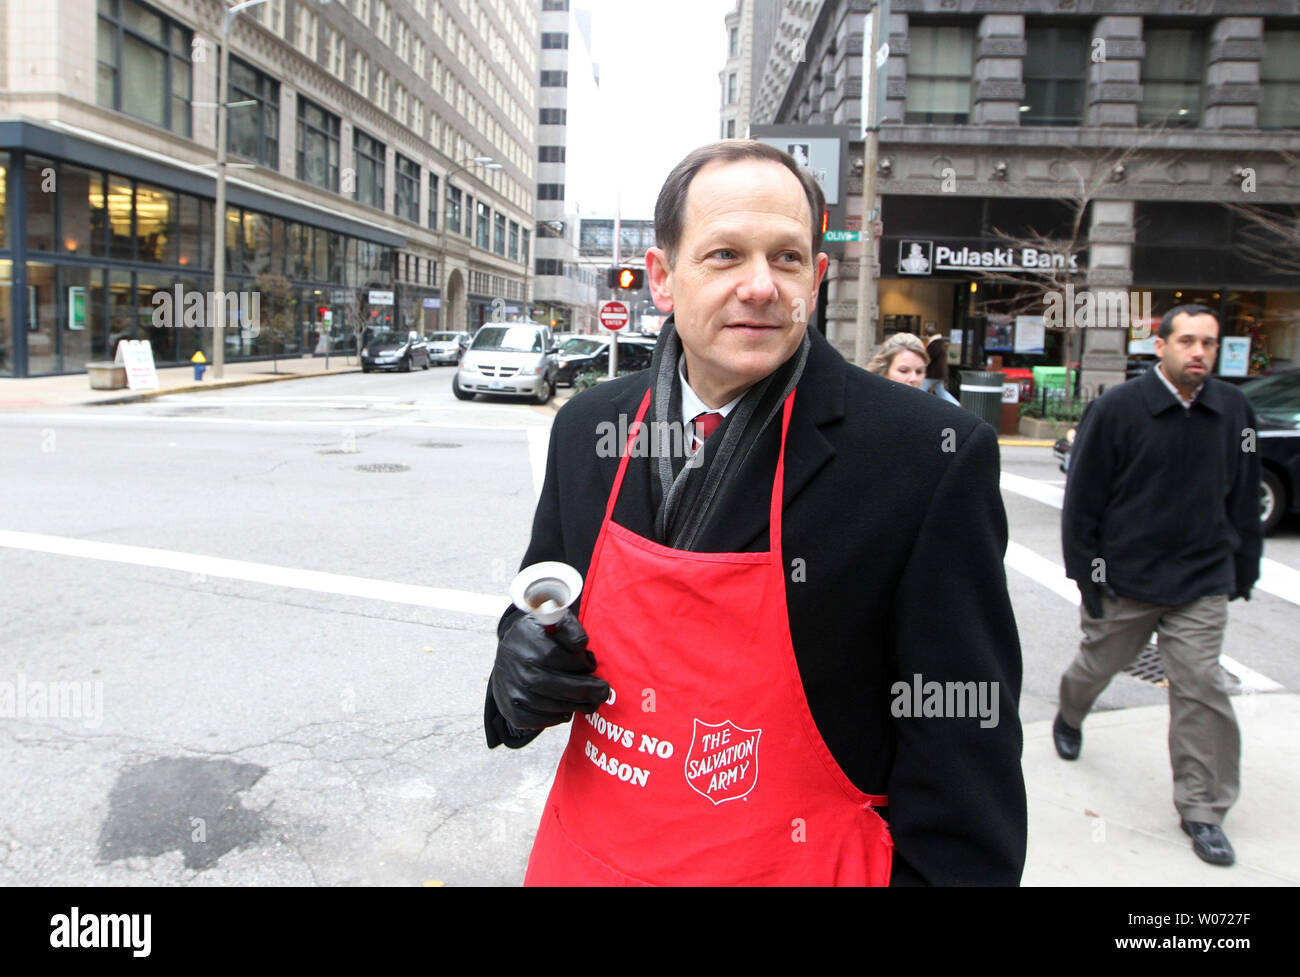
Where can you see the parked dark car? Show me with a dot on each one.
(394, 351)
(1276, 400)
(584, 354)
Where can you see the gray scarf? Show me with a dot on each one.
(684, 494)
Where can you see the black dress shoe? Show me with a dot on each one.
(1068, 740)
(1210, 843)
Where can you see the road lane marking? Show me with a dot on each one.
(1275, 578)
(449, 424)
(439, 598)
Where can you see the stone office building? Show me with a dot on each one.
(995, 109)
(384, 157)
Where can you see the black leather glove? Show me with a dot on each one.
(542, 679)
(1090, 598)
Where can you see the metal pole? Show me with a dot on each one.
(867, 241)
(219, 212)
(618, 233)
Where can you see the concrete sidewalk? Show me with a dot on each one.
(1108, 818)
(73, 389)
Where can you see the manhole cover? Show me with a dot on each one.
(1147, 666)
(384, 467)
(439, 444)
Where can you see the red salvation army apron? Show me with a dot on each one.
(704, 765)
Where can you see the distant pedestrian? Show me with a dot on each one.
(1160, 529)
(901, 358)
(936, 373)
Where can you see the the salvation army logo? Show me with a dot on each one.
(723, 761)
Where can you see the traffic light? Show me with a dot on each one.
(629, 279)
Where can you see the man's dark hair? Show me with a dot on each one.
(670, 209)
(1167, 320)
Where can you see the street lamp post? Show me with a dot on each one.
(219, 215)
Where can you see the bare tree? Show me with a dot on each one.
(277, 313)
(1268, 235)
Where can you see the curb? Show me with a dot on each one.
(217, 385)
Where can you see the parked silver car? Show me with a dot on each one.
(515, 359)
(445, 347)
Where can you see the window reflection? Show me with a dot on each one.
(155, 211)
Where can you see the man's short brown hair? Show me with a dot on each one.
(670, 209)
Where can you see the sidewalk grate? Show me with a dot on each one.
(384, 467)
(439, 444)
(1148, 667)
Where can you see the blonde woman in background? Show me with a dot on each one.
(901, 358)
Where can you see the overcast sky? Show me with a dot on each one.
(660, 61)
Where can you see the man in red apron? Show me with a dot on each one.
(784, 558)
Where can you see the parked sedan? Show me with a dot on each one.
(585, 354)
(394, 351)
(445, 347)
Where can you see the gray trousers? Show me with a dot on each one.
(1204, 741)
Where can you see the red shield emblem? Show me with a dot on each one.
(723, 761)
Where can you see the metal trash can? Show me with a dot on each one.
(981, 394)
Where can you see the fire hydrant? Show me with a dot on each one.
(200, 364)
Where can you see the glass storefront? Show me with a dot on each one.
(102, 248)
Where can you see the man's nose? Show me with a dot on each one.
(758, 285)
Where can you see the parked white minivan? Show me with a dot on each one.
(513, 359)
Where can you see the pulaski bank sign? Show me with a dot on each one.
(916, 257)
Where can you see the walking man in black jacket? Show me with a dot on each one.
(1160, 530)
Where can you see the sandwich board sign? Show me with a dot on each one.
(137, 356)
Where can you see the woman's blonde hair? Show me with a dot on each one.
(894, 345)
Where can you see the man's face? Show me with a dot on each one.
(745, 279)
(1187, 356)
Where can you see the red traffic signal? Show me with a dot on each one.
(629, 279)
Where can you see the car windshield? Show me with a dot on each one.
(389, 339)
(443, 337)
(1278, 396)
(519, 339)
(582, 347)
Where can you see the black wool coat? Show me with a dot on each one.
(892, 504)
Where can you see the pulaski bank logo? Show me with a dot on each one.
(723, 761)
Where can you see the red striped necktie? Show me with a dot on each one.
(704, 424)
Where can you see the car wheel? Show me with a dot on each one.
(365, 369)
(425, 364)
(458, 392)
(406, 365)
(1272, 501)
(545, 392)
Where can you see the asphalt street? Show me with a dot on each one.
(276, 606)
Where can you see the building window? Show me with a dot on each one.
(306, 38)
(1279, 81)
(555, 41)
(555, 4)
(550, 191)
(334, 56)
(553, 117)
(318, 145)
(550, 229)
(733, 42)
(433, 200)
(453, 209)
(254, 130)
(484, 226)
(403, 40)
(549, 266)
(361, 74)
(555, 79)
(514, 241)
(550, 154)
(144, 65)
(384, 28)
(940, 61)
(370, 169)
(523, 246)
(406, 196)
(381, 89)
(1171, 76)
(1055, 73)
(731, 89)
(272, 15)
(499, 234)
(731, 128)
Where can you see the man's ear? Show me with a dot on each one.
(660, 276)
(823, 262)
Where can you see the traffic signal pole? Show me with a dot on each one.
(867, 257)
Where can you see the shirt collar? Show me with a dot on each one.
(1159, 368)
(692, 406)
